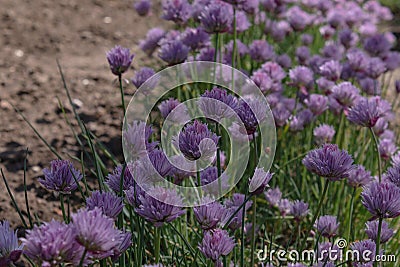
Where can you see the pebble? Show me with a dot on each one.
(107, 20)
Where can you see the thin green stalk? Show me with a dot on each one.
(351, 214)
(199, 182)
(253, 219)
(157, 240)
(379, 154)
(13, 199)
(121, 89)
(82, 258)
(242, 238)
(234, 39)
(63, 208)
(28, 210)
(236, 212)
(378, 240)
(218, 159)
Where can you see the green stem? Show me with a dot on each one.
(121, 89)
(218, 159)
(26, 193)
(157, 239)
(351, 214)
(378, 240)
(234, 39)
(253, 219)
(379, 154)
(242, 237)
(62, 208)
(82, 258)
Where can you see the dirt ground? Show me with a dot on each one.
(33, 34)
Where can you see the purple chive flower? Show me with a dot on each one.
(393, 173)
(348, 38)
(274, 71)
(251, 112)
(136, 139)
(301, 76)
(387, 148)
(323, 134)
(263, 81)
(195, 38)
(142, 76)
(325, 85)
(174, 52)
(191, 140)
(329, 162)
(142, 7)
(210, 216)
(366, 112)
(241, 50)
(124, 242)
(358, 60)
(216, 243)
(10, 250)
(366, 252)
(298, 19)
(331, 70)
(259, 181)
(281, 114)
(210, 175)
(380, 126)
(120, 59)
(284, 206)
(375, 67)
(307, 39)
(207, 54)
(178, 11)
(261, 51)
(391, 60)
(371, 229)
(345, 94)
(160, 162)
(53, 243)
(333, 51)
(216, 17)
(359, 177)
(370, 86)
(381, 199)
(157, 210)
(232, 205)
(109, 203)
(61, 177)
(317, 103)
(301, 119)
(217, 104)
(113, 179)
(377, 45)
(273, 196)
(242, 22)
(96, 232)
(303, 54)
(150, 44)
(299, 209)
(167, 106)
(327, 226)
(284, 61)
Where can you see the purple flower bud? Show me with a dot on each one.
(331, 70)
(358, 60)
(281, 114)
(381, 199)
(218, 104)
(301, 76)
(259, 181)
(210, 216)
(273, 196)
(157, 210)
(299, 209)
(195, 38)
(345, 94)
(216, 243)
(303, 54)
(261, 51)
(393, 173)
(333, 51)
(307, 39)
(142, 7)
(120, 59)
(329, 162)
(298, 18)
(327, 226)
(367, 111)
(251, 112)
(191, 137)
(372, 231)
(142, 76)
(284, 61)
(54, 243)
(217, 17)
(96, 232)
(178, 11)
(348, 38)
(377, 45)
(167, 106)
(174, 52)
(317, 103)
(61, 177)
(136, 139)
(10, 251)
(110, 204)
(160, 162)
(284, 206)
(150, 44)
(359, 177)
(302, 119)
(323, 134)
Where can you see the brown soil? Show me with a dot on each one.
(33, 35)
